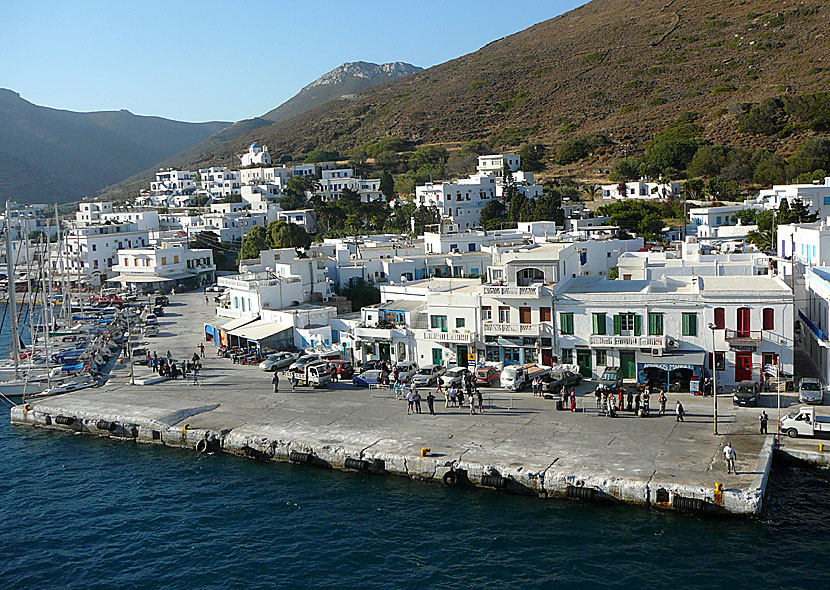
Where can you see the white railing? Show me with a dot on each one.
(439, 336)
(512, 291)
(628, 341)
(505, 328)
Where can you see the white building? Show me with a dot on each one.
(642, 190)
(814, 317)
(164, 267)
(173, 182)
(256, 155)
(494, 163)
(219, 182)
(91, 251)
(816, 197)
(715, 216)
(333, 182)
(305, 218)
(659, 330)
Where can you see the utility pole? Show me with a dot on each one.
(712, 327)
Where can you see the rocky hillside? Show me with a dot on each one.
(349, 78)
(48, 154)
(624, 69)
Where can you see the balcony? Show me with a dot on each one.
(375, 333)
(612, 341)
(439, 336)
(512, 291)
(743, 336)
(526, 329)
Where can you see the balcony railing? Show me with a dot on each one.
(439, 336)
(511, 291)
(738, 336)
(505, 328)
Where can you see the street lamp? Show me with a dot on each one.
(712, 327)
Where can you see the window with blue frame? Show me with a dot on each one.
(471, 247)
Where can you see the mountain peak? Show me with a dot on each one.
(348, 78)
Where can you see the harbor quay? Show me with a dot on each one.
(520, 443)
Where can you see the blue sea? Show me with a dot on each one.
(84, 512)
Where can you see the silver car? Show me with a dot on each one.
(428, 375)
(406, 371)
(810, 391)
(277, 361)
(453, 377)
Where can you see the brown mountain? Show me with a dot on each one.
(624, 68)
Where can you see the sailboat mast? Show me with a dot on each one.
(66, 296)
(12, 300)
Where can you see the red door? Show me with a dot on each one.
(547, 357)
(743, 322)
(743, 366)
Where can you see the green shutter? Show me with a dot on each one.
(638, 324)
(655, 324)
(617, 325)
(599, 324)
(692, 324)
(566, 323)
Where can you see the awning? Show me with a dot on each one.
(672, 362)
(138, 279)
(260, 330)
(237, 323)
(181, 275)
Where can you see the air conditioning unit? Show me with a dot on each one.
(656, 352)
(671, 342)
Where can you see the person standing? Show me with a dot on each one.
(169, 357)
(729, 455)
(480, 401)
(410, 401)
(446, 397)
(472, 405)
(417, 399)
(276, 381)
(430, 402)
(293, 381)
(573, 400)
(202, 349)
(195, 373)
(679, 411)
(764, 419)
(662, 399)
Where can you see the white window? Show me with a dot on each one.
(627, 321)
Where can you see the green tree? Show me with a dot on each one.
(362, 295)
(387, 184)
(400, 220)
(424, 217)
(813, 154)
(492, 215)
(295, 192)
(591, 191)
(428, 154)
(281, 234)
(693, 188)
(726, 190)
(36, 235)
(533, 156)
(708, 161)
(770, 169)
(253, 243)
(321, 155)
(626, 169)
(509, 189)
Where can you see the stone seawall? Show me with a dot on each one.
(264, 443)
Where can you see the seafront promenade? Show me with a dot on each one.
(520, 443)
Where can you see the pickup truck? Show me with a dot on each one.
(514, 377)
(804, 422)
(312, 375)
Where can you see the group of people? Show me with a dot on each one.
(413, 402)
(610, 401)
(165, 366)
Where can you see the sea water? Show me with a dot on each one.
(85, 512)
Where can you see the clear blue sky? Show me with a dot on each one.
(204, 60)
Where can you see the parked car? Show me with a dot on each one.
(611, 378)
(373, 365)
(748, 393)
(563, 379)
(487, 376)
(151, 320)
(161, 300)
(158, 310)
(810, 391)
(406, 370)
(139, 356)
(151, 330)
(344, 369)
(428, 375)
(306, 358)
(277, 361)
(214, 289)
(454, 377)
(367, 378)
(804, 422)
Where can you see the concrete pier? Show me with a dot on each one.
(520, 444)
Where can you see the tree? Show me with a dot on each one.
(509, 189)
(424, 217)
(295, 193)
(253, 243)
(429, 154)
(533, 155)
(727, 190)
(362, 295)
(387, 184)
(224, 255)
(492, 215)
(693, 188)
(813, 154)
(708, 161)
(36, 235)
(320, 155)
(401, 218)
(281, 234)
(770, 169)
(591, 191)
(626, 169)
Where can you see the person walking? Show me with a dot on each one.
(446, 397)
(729, 455)
(202, 349)
(169, 357)
(293, 382)
(472, 405)
(480, 401)
(195, 373)
(410, 401)
(679, 411)
(764, 419)
(573, 400)
(276, 381)
(430, 402)
(662, 399)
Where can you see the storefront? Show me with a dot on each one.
(676, 370)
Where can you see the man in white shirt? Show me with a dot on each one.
(729, 455)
